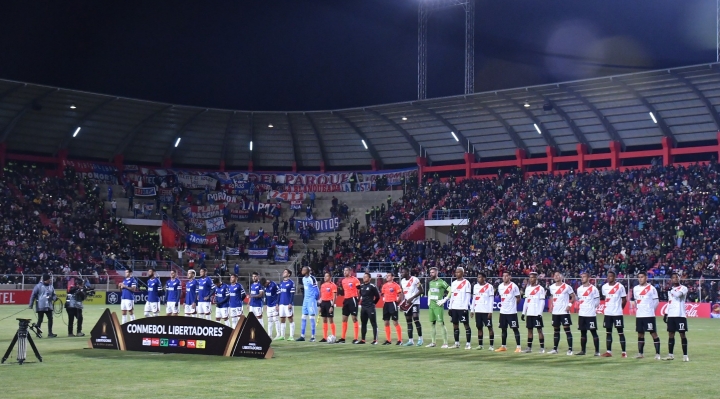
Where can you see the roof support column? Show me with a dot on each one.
(550, 152)
(374, 164)
(322, 166)
(118, 161)
(167, 162)
(614, 154)
(469, 158)
(61, 158)
(666, 147)
(421, 163)
(581, 152)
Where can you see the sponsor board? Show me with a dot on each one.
(187, 335)
(15, 297)
(98, 299)
(113, 298)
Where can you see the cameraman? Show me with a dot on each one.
(76, 294)
(44, 294)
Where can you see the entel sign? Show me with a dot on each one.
(15, 297)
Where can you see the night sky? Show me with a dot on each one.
(309, 55)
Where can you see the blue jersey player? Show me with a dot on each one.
(287, 298)
(272, 297)
(237, 295)
(173, 291)
(310, 301)
(257, 295)
(152, 302)
(191, 295)
(222, 301)
(127, 298)
(205, 288)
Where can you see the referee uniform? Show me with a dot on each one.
(369, 297)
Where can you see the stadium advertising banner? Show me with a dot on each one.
(187, 335)
(98, 299)
(320, 225)
(15, 297)
(113, 298)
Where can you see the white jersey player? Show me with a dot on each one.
(645, 300)
(482, 309)
(675, 317)
(615, 300)
(509, 299)
(562, 298)
(460, 296)
(533, 308)
(588, 297)
(412, 289)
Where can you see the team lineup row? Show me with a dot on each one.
(464, 301)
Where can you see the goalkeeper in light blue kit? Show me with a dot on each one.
(310, 302)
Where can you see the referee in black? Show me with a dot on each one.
(369, 297)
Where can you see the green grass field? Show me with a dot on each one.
(315, 370)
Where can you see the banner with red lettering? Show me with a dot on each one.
(285, 196)
(15, 297)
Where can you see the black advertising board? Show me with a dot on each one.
(190, 335)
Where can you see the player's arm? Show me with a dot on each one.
(624, 300)
(335, 294)
(243, 294)
(441, 302)
(573, 298)
(34, 296)
(376, 295)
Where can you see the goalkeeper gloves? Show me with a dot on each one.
(442, 301)
(665, 318)
(522, 317)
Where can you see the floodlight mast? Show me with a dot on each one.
(425, 9)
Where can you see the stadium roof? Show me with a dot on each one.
(684, 101)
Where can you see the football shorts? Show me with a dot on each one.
(613, 321)
(127, 304)
(171, 308)
(390, 311)
(509, 320)
(327, 309)
(350, 307)
(286, 311)
(645, 324)
(203, 307)
(561, 320)
(437, 314)
(257, 311)
(534, 322)
(221, 313)
(677, 324)
(483, 320)
(310, 307)
(272, 312)
(236, 312)
(189, 309)
(412, 309)
(152, 307)
(587, 323)
(459, 316)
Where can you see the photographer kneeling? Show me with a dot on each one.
(76, 294)
(44, 294)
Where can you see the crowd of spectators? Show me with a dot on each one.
(58, 225)
(660, 219)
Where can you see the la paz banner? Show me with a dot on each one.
(320, 225)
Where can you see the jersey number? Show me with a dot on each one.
(513, 324)
(650, 326)
(618, 323)
(682, 326)
(537, 323)
(592, 324)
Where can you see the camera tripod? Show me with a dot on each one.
(22, 337)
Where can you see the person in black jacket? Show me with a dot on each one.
(369, 296)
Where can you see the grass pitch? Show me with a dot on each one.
(314, 370)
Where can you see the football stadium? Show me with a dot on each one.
(411, 198)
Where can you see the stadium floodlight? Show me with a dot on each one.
(364, 144)
(72, 106)
(527, 104)
(653, 117)
(250, 145)
(537, 128)
(404, 118)
(270, 125)
(177, 142)
(76, 131)
(454, 136)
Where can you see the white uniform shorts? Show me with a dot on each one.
(236, 312)
(127, 304)
(152, 307)
(203, 307)
(286, 311)
(171, 308)
(221, 313)
(189, 309)
(272, 313)
(258, 311)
